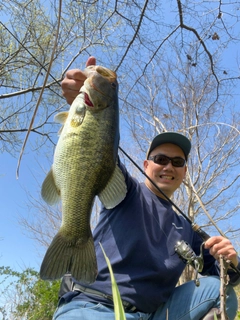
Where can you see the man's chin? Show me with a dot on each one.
(162, 191)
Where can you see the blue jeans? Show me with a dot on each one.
(187, 302)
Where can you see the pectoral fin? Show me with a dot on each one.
(61, 117)
(115, 191)
(50, 193)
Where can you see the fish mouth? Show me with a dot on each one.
(106, 73)
(87, 100)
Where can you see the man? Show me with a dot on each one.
(139, 237)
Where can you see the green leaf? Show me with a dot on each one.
(117, 301)
(35, 299)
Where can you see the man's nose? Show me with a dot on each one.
(169, 165)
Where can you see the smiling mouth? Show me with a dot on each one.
(167, 177)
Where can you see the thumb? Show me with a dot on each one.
(91, 61)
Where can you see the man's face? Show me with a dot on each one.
(167, 177)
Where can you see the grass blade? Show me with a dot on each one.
(117, 301)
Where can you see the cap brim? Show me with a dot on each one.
(171, 137)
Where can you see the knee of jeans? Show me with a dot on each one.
(212, 282)
(231, 297)
(231, 302)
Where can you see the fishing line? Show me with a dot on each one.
(194, 226)
(43, 87)
(144, 173)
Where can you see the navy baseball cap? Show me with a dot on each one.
(171, 137)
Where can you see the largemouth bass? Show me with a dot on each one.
(85, 165)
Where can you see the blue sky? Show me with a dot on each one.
(16, 249)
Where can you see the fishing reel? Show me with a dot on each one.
(186, 253)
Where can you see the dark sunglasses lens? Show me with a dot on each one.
(163, 160)
(178, 162)
(160, 159)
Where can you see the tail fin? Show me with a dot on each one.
(76, 257)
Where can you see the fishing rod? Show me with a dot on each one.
(194, 226)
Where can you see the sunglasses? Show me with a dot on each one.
(163, 160)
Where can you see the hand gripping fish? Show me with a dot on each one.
(84, 166)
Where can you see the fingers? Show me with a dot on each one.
(91, 61)
(71, 84)
(74, 80)
(221, 246)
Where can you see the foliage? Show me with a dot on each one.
(178, 68)
(174, 74)
(117, 301)
(26, 295)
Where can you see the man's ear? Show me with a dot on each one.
(145, 164)
(186, 168)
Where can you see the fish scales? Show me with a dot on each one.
(95, 166)
(84, 166)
